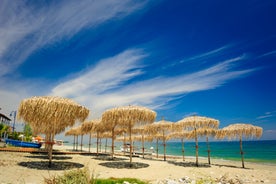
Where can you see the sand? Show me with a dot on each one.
(19, 167)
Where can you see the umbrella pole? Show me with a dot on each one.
(183, 152)
(112, 146)
(50, 150)
(143, 145)
(157, 148)
(77, 143)
(130, 147)
(124, 145)
(105, 145)
(164, 144)
(196, 147)
(242, 157)
(89, 141)
(208, 147)
(81, 141)
(98, 144)
(74, 142)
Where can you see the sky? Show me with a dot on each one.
(179, 58)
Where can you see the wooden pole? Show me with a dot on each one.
(164, 144)
(77, 142)
(74, 143)
(183, 151)
(208, 150)
(81, 141)
(242, 156)
(157, 148)
(196, 147)
(51, 149)
(98, 144)
(89, 141)
(105, 145)
(130, 140)
(112, 144)
(143, 145)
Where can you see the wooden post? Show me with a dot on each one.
(105, 145)
(164, 144)
(112, 144)
(242, 157)
(77, 143)
(74, 143)
(208, 150)
(196, 147)
(89, 141)
(130, 140)
(81, 141)
(143, 145)
(157, 148)
(98, 144)
(183, 151)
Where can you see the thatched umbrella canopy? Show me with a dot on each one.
(98, 129)
(75, 131)
(145, 135)
(127, 117)
(89, 127)
(181, 135)
(161, 129)
(237, 131)
(51, 115)
(196, 122)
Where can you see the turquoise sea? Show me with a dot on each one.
(263, 151)
(254, 151)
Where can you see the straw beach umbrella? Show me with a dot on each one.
(238, 130)
(180, 135)
(162, 129)
(143, 131)
(196, 122)
(127, 117)
(73, 131)
(51, 115)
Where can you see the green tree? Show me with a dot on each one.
(3, 128)
(28, 132)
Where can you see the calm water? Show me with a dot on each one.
(254, 151)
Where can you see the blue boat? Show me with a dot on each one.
(23, 144)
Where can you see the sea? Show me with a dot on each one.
(261, 151)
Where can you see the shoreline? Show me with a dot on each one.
(24, 167)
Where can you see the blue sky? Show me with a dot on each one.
(211, 58)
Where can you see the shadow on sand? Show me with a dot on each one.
(231, 166)
(125, 165)
(46, 157)
(108, 158)
(188, 164)
(43, 165)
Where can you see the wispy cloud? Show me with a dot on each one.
(206, 55)
(271, 53)
(23, 30)
(267, 115)
(108, 84)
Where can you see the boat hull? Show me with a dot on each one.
(23, 144)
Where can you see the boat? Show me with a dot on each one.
(23, 144)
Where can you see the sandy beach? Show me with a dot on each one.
(22, 167)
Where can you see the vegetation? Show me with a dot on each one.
(5, 129)
(82, 176)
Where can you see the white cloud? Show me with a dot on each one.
(105, 85)
(267, 115)
(25, 28)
